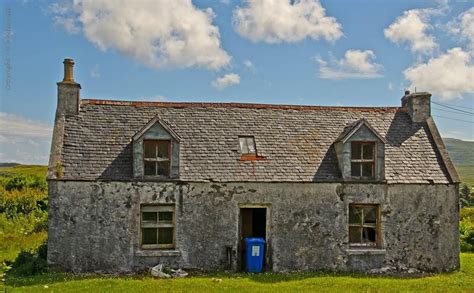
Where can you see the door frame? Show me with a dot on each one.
(268, 226)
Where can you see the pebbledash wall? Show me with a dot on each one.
(94, 226)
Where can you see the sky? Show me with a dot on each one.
(309, 52)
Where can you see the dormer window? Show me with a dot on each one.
(362, 160)
(156, 157)
(247, 145)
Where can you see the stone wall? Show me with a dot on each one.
(94, 226)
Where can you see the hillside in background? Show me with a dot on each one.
(462, 154)
(460, 151)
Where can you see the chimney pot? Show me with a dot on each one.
(68, 70)
(69, 99)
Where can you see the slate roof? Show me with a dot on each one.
(296, 141)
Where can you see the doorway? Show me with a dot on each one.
(253, 223)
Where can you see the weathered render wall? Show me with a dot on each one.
(94, 226)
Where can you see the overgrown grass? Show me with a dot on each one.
(460, 281)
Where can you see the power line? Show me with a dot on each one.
(458, 106)
(452, 111)
(450, 107)
(472, 122)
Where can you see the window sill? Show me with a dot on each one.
(157, 252)
(365, 251)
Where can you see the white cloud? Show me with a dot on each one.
(412, 28)
(12, 125)
(463, 25)
(23, 140)
(449, 75)
(159, 34)
(390, 86)
(226, 80)
(248, 63)
(355, 64)
(275, 21)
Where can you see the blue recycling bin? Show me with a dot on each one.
(255, 251)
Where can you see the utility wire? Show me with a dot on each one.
(457, 106)
(472, 122)
(444, 110)
(449, 107)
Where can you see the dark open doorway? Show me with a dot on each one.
(253, 223)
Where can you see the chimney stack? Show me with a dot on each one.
(68, 92)
(418, 105)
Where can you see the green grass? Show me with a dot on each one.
(25, 170)
(466, 172)
(460, 281)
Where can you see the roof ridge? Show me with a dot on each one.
(235, 105)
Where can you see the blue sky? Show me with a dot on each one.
(339, 52)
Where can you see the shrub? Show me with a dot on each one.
(22, 201)
(466, 237)
(30, 263)
(20, 182)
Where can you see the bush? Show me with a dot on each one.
(466, 237)
(30, 263)
(20, 182)
(22, 201)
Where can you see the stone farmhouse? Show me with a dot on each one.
(134, 184)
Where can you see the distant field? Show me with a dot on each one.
(25, 170)
(466, 172)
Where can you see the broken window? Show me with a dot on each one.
(247, 145)
(156, 157)
(157, 225)
(363, 160)
(364, 226)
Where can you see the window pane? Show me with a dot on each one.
(149, 217)
(356, 149)
(163, 149)
(355, 234)
(243, 145)
(368, 151)
(165, 235)
(166, 216)
(369, 235)
(251, 145)
(150, 168)
(367, 170)
(150, 149)
(355, 215)
(149, 236)
(164, 168)
(370, 215)
(355, 169)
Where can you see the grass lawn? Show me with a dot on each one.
(461, 281)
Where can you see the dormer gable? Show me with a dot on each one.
(360, 152)
(156, 151)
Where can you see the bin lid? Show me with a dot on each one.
(254, 240)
